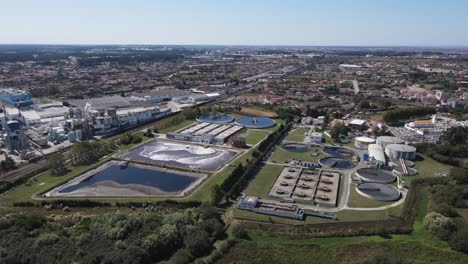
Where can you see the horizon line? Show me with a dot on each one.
(240, 45)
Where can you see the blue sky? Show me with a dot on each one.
(236, 22)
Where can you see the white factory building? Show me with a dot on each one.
(207, 133)
(134, 116)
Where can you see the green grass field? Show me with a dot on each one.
(261, 184)
(280, 155)
(253, 136)
(174, 128)
(297, 135)
(426, 168)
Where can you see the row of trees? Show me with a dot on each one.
(288, 113)
(240, 176)
(375, 103)
(82, 153)
(402, 114)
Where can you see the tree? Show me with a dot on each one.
(455, 136)
(337, 130)
(216, 195)
(238, 231)
(148, 133)
(460, 175)
(439, 225)
(56, 163)
(459, 240)
(364, 105)
(189, 114)
(407, 113)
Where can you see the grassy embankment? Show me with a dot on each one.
(419, 245)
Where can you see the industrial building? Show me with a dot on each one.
(254, 204)
(14, 97)
(316, 137)
(207, 133)
(164, 95)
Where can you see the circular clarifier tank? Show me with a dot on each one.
(336, 163)
(216, 118)
(378, 191)
(338, 152)
(291, 147)
(376, 175)
(256, 122)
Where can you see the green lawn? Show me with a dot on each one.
(202, 193)
(261, 184)
(174, 128)
(253, 136)
(297, 135)
(426, 168)
(280, 155)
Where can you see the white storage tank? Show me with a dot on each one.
(387, 140)
(363, 142)
(400, 151)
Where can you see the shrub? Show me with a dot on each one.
(439, 225)
(459, 240)
(386, 259)
(197, 242)
(46, 239)
(31, 222)
(182, 256)
(238, 231)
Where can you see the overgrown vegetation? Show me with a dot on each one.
(177, 237)
(128, 139)
(402, 114)
(444, 221)
(452, 148)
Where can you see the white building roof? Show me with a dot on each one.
(365, 140)
(30, 115)
(400, 148)
(357, 122)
